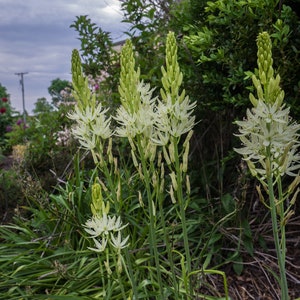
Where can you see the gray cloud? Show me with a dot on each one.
(35, 37)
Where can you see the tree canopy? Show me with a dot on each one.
(57, 85)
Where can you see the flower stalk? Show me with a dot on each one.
(174, 120)
(153, 128)
(132, 116)
(271, 148)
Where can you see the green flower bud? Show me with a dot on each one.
(129, 79)
(253, 100)
(81, 91)
(171, 75)
(269, 87)
(97, 199)
(174, 181)
(188, 184)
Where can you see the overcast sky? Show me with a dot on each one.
(35, 37)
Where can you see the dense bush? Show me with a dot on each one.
(49, 145)
(6, 118)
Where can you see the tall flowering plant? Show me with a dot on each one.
(270, 146)
(158, 131)
(154, 128)
(92, 129)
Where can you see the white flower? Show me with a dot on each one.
(101, 127)
(87, 141)
(127, 123)
(100, 245)
(102, 229)
(92, 124)
(160, 138)
(139, 121)
(173, 119)
(81, 130)
(117, 242)
(86, 116)
(97, 226)
(268, 133)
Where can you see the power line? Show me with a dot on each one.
(23, 94)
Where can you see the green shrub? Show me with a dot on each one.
(49, 145)
(6, 121)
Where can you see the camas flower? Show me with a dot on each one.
(268, 133)
(173, 119)
(136, 114)
(174, 111)
(91, 125)
(100, 245)
(102, 228)
(97, 226)
(117, 242)
(139, 122)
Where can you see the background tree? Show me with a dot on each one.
(42, 105)
(100, 59)
(56, 87)
(149, 23)
(3, 92)
(6, 118)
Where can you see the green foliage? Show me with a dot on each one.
(55, 89)
(47, 139)
(10, 193)
(149, 23)
(96, 46)
(47, 253)
(42, 106)
(221, 44)
(6, 117)
(100, 60)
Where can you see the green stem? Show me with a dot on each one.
(152, 235)
(280, 248)
(224, 280)
(104, 285)
(128, 267)
(282, 223)
(119, 279)
(160, 201)
(109, 176)
(182, 209)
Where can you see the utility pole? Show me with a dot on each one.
(23, 96)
